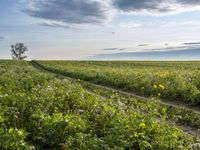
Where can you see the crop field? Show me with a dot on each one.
(175, 81)
(51, 105)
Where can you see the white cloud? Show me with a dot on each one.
(130, 25)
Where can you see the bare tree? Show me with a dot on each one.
(18, 51)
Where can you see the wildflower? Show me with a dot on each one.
(20, 132)
(155, 86)
(81, 111)
(161, 87)
(142, 125)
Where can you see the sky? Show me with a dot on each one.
(102, 29)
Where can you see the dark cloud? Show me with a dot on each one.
(189, 2)
(141, 45)
(53, 25)
(170, 48)
(121, 49)
(136, 5)
(113, 49)
(70, 11)
(64, 13)
(155, 6)
(110, 49)
(1, 38)
(187, 54)
(192, 43)
(166, 44)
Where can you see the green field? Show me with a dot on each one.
(175, 81)
(48, 105)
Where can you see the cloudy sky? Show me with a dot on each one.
(102, 29)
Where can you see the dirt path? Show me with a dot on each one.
(164, 102)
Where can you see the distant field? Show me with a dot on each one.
(174, 81)
(41, 108)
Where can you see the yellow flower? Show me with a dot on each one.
(142, 125)
(161, 87)
(155, 86)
